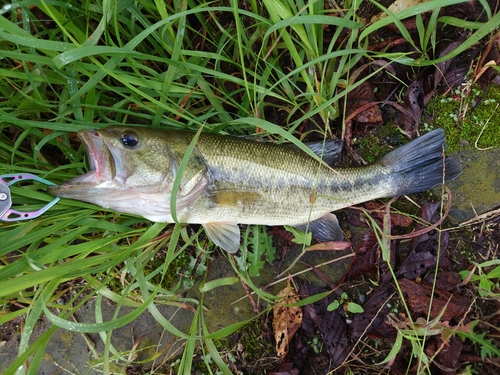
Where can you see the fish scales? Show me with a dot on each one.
(274, 185)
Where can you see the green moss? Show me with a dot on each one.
(453, 113)
(248, 345)
(179, 266)
(181, 262)
(254, 342)
(66, 339)
(463, 126)
(379, 142)
(369, 148)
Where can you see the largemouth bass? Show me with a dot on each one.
(230, 180)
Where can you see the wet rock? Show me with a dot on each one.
(478, 188)
(83, 353)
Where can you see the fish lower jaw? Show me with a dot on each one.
(108, 185)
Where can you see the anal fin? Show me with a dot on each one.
(324, 229)
(224, 235)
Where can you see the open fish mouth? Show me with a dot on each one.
(102, 169)
(101, 161)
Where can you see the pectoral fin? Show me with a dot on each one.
(324, 229)
(224, 235)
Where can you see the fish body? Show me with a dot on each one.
(231, 180)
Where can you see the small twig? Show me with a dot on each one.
(250, 297)
(337, 7)
(428, 229)
(412, 201)
(478, 218)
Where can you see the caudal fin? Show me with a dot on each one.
(420, 164)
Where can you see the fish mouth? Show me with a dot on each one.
(102, 166)
(102, 169)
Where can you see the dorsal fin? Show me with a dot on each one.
(330, 150)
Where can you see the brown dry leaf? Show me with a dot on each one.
(447, 280)
(426, 246)
(454, 305)
(287, 319)
(331, 324)
(378, 212)
(414, 104)
(417, 264)
(365, 258)
(485, 73)
(284, 369)
(361, 106)
(372, 322)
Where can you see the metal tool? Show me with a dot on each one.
(9, 214)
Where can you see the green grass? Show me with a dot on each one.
(226, 67)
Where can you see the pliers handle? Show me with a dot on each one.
(9, 214)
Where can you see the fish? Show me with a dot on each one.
(225, 181)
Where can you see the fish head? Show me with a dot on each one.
(131, 169)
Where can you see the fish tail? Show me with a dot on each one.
(420, 164)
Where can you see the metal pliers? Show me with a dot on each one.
(9, 214)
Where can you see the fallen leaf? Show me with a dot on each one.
(449, 355)
(331, 324)
(332, 245)
(377, 210)
(484, 73)
(362, 108)
(426, 246)
(372, 321)
(365, 259)
(417, 264)
(442, 71)
(287, 319)
(414, 103)
(419, 300)
(449, 281)
(284, 369)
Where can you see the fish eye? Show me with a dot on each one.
(129, 140)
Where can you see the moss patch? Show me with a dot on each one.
(181, 262)
(463, 125)
(379, 142)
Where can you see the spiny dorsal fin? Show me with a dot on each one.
(329, 150)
